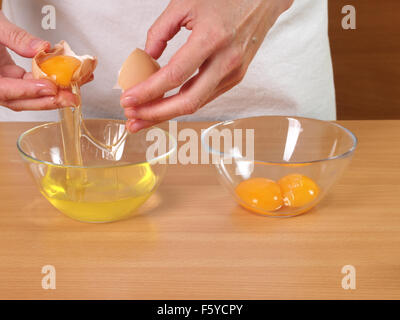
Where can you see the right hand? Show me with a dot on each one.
(18, 90)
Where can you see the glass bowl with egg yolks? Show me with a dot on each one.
(277, 165)
(108, 186)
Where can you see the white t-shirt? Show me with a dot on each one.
(290, 75)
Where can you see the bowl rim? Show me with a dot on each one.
(52, 164)
(227, 122)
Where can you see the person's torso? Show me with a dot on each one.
(291, 73)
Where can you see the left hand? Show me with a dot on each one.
(18, 90)
(225, 37)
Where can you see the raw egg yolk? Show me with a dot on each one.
(298, 190)
(61, 69)
(260, 194)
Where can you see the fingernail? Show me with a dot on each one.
(37, 44)
(64, 103)
(130, 113)
(46, 92)
(129, 101)
(133, 126)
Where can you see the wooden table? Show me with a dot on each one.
(194, 242)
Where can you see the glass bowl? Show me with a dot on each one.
(110, 184)
(276, 165)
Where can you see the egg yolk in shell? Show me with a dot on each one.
(260, 193)
(298, 190)
(61, 69)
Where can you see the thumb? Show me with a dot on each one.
(19, 40)
(164, 29)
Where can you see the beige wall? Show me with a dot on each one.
(367, 60)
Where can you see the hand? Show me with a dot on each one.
(225, 37)
(18, 90)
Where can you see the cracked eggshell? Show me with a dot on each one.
(81, 74)
(136, 68)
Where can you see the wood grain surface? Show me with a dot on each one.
(366, 61)
(192, 241)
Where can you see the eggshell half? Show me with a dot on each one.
(136, 68)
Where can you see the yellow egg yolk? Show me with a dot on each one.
(298, 190)
(260, 195)
(61, 69)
